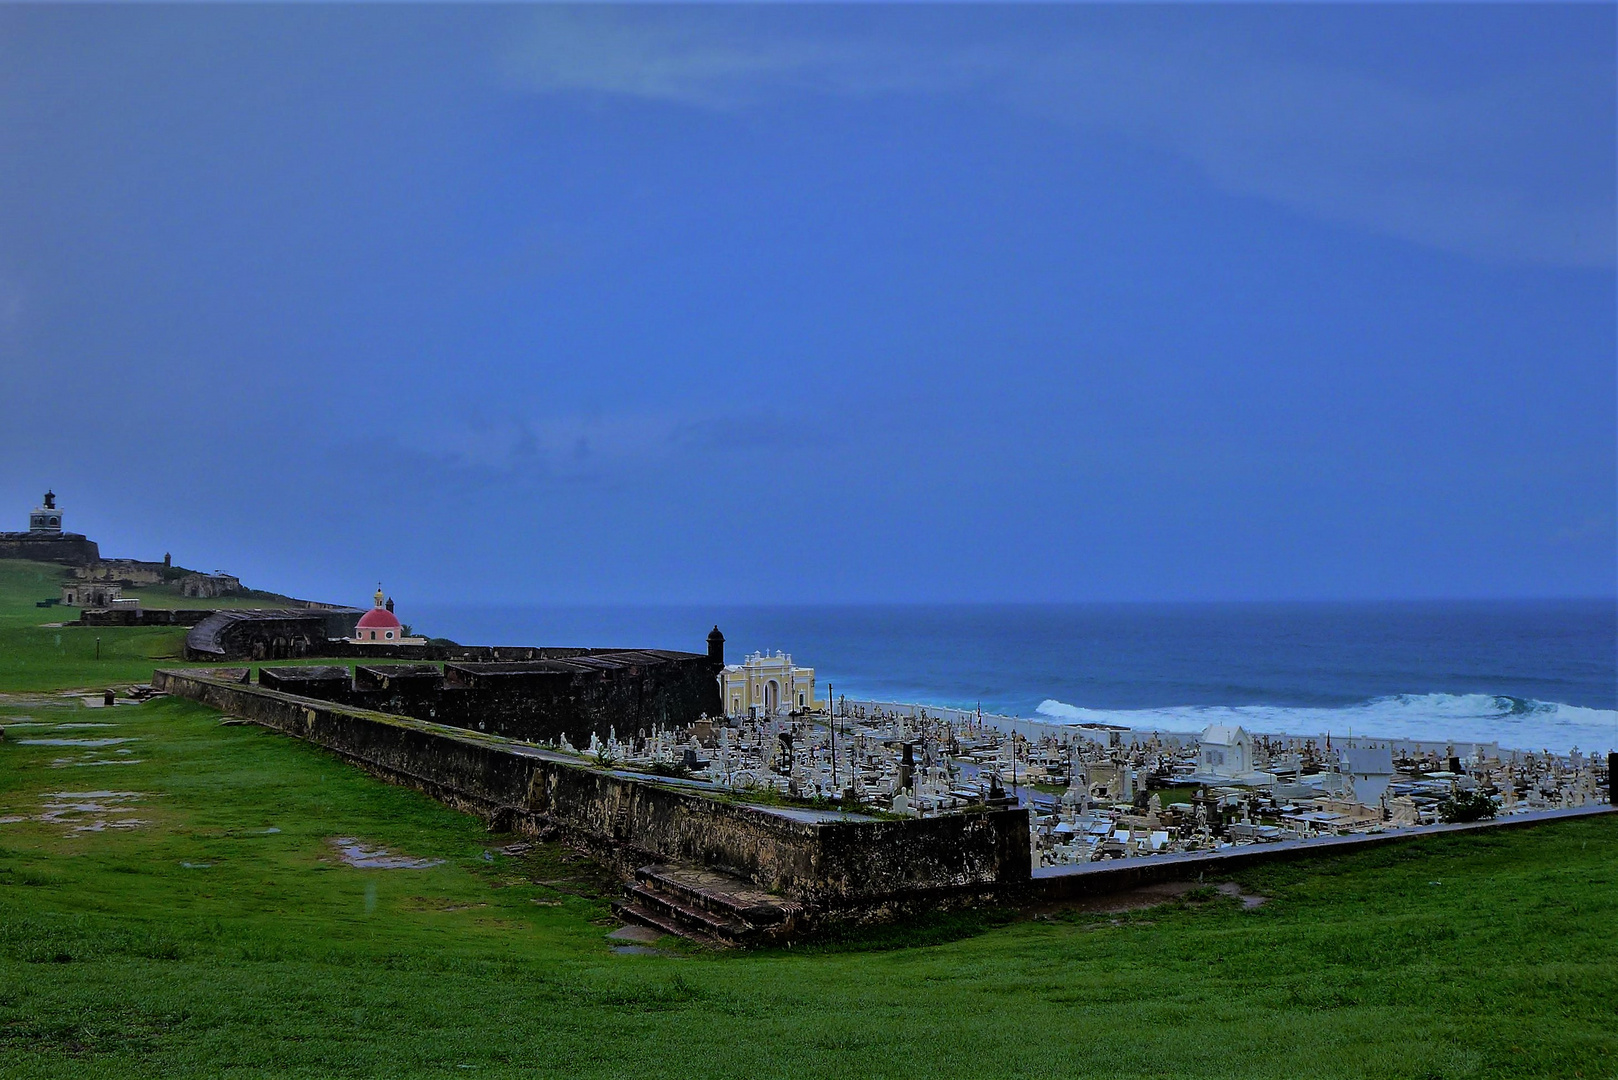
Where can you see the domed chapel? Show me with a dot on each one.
(380, 626)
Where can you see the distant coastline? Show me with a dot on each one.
(1464, 744)
(1528, 675)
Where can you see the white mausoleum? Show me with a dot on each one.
(1225, 751)
(1370, 770)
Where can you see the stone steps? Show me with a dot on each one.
(707, 906)
(730, 931)
(629, 911)
(721, 893)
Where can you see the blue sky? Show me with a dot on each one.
(856, 303)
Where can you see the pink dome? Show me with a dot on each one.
(378, 619)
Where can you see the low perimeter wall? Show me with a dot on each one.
(1054, 884)
(830, 864)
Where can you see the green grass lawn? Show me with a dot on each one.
(1171, 795)
(35, 655)
(218, 934)
(168, 595)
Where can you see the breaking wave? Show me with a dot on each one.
(1514, 723)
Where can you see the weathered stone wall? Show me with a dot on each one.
(90, 595)
(146, 617)
(268, 634)
(256, 635)
(323, 681)
(1056, 884)
(949, 852)
(207, 586)
(597, 691)
(70, 549)
(630, 692)
(836, 864)
(456, 653)
(127, 571)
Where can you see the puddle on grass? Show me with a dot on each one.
(76, 742)
(1150, 896)
(31, 701)
(1249, 900)
(354, 853)
(91, 811)
(29, 722)
(636, 940)
(99, 701)
(97, 794)
(74, 763)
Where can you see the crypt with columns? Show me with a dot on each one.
(766, 685)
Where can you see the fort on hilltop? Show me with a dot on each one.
(109, 592)
(46, 541)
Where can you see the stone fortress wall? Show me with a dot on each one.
(839, 865)
(833, 867)
(268, 634)
(143, 617)
(46, 542)
(572, 692)
(124, 571)
(69, 549)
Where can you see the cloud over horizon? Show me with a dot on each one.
(859, 302)
(1467, 168)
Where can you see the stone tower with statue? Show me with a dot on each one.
(47, 517)
(45, 541)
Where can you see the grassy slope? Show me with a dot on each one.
(36, 657)
(40, 657)
(1488, 956)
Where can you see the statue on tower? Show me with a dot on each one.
(46, 517)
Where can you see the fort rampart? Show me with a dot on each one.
(70, 549)
(268, 634)
(831, 862)
(1058, 884)
(574, 693)
(143, 617)
(490, 654)
(839, 867)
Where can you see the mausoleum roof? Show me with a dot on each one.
(378, 619)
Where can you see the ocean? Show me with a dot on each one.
(1525, 674)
